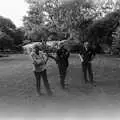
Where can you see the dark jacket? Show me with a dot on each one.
(62, 56)
(87, 54)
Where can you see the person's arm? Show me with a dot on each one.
(81, 55)
(45, 56)
(81, 58)
(54, 58)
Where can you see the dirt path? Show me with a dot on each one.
(18, 99)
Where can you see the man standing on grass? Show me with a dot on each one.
(61, 59)
(39, 68)
(86, 56)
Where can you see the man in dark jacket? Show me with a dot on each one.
(86, 55)
(62, 61)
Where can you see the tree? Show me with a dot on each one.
(101, 30)
(83, 20)
(33, 22)
(10, 36)
(18, 36)
(6, 42)
(116, 41)
(58, 17)
(6, 23)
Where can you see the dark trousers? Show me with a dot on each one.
(87, 68)
(62, 72)
(38, 76)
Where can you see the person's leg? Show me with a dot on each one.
(84, 69)
(62, 72)
(90, 72)
(63, 76)
(38, 81)
(46, 83)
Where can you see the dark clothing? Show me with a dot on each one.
(62, 72)
(38, 76)
(62, 57)
(87, 68)
(62, 61)
(87, 56)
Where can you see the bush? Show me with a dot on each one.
(6, 42)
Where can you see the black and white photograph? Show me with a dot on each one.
(59, 59)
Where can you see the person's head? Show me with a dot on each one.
(36, 48)
(86, 44)
(62, 47)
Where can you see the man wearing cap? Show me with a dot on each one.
(39, 59)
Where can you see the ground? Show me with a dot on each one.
(18, 98)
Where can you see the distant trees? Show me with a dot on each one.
(56, 18)
(6, 42)
(10, 36)
(72, 19)
(6, 23)
(116, 41)
(101, 30)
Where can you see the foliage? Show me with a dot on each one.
(33, 22)
(10, 36)
(6, 23)
(58, 17)
(81, 20)
(18, 36)
(101, 30)
(116, 41)
(6, 42)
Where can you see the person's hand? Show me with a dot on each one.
(81, 60)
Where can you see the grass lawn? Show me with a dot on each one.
(18, 97)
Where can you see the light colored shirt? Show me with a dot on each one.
(39, 61)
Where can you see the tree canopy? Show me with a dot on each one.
(10, 35)
(101, 30)
(56, 16)
(82, 20)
